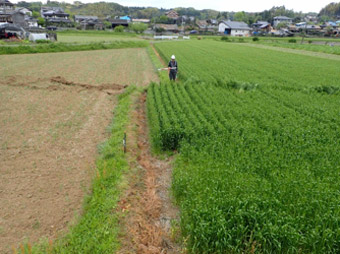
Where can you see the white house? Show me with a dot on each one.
(234, 28)
(280, 19)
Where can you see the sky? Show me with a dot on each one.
(220, 5)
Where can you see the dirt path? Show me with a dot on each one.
(147, 204)
(157, 54)
(294, 51)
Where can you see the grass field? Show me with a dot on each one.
(257, 133)
(54, 112)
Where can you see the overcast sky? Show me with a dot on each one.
(220, 5)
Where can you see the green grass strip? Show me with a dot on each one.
(65, 47)
(97, 229)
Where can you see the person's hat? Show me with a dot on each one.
(173, 57)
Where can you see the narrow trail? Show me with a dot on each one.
(146, 203)
(157, 54)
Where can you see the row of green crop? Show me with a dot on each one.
(215, 62)
(327, 47)
(257, 171)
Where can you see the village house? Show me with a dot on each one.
(55, 16)
(282, 19)
(145, 21)
(6, 5)
(234, 28)
(88, 22)
(207, 26)
(118, 22)
(166, 28)
(24, 10)
(31, 22)
(261, 27)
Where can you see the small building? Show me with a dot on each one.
(234, 28)
(119, 22)
(6, 5)
(31, 22)
(172, 14)
(261, 27)
(166, 28)
(55, 16)
(206, 26)
(282, 19)
(13, 17)
(10, 30)
(145, 21)
(128, 18)
(24, 10)
(88, 22)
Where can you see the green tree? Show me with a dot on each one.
(282, 25)
(240, 16)
(118, 29)
(41, 21)
(138, 27)
(35, 14)
(107, 24)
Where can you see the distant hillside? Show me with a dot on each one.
(331, 10)
(105, 9)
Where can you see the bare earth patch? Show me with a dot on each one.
(146, 204)
(54, 112)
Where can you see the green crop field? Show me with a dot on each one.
(258, 136)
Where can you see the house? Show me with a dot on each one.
(172, 15)
(6, 5)
(88, 22)
(282, 19)
(128, 18)
(55, 16)
(31, 22)
(13, 17)
(145, 21)
(9, 30)
(261, 27)
(24, 10)
(206, 26)
(166, 28)
(234, 28)
(119, 22)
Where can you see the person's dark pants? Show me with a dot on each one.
(172, 75)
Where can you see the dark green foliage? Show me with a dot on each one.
(42, 41)
(256, 39)
(292, 40)
(225, 38)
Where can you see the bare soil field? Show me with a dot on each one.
(54, 112)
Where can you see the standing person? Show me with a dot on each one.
(173, 68)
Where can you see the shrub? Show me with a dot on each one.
(224, 38)
(42, 41)
(118, 29)
(256, 39)
(292, 40)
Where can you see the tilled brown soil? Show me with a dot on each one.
(147, 204)
(48, 148)
(54, 112)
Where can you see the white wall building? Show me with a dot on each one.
(280, 19)
(234, 28)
